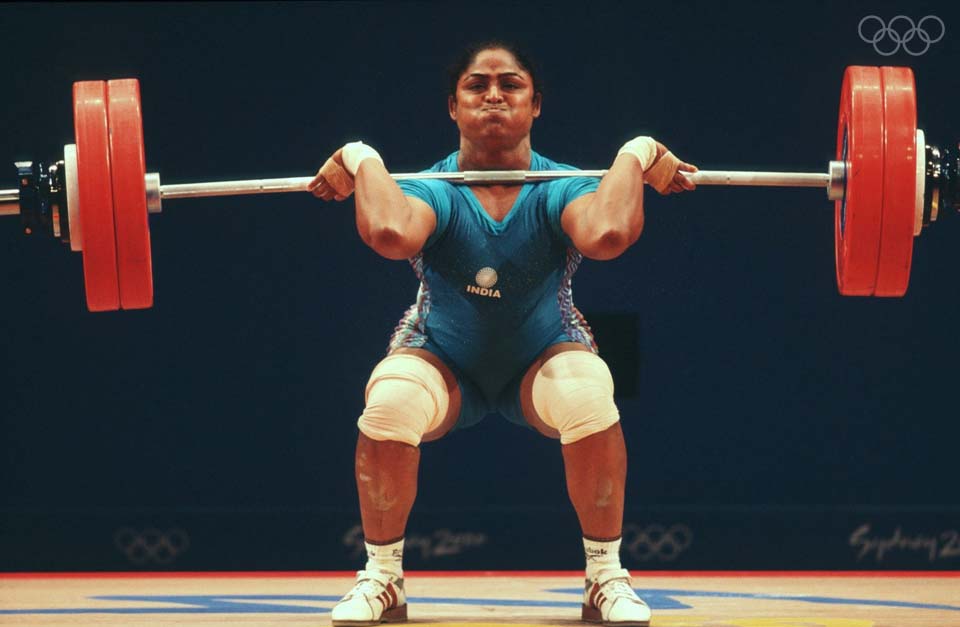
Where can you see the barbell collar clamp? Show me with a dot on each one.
(154, 191)
(837, 179)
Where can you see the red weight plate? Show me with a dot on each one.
(858, 213)
(129, 194)
(96, 195)
(899, 181)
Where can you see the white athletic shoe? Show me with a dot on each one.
(610, 599)
(377, 597)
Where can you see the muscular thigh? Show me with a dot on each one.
(453, 409)
(526, 386)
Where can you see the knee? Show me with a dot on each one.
(406, 397)
(573, 393)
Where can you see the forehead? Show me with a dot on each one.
(494, 60)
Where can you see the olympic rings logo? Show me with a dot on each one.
(892, 30)
(151, 545)
(656, 541)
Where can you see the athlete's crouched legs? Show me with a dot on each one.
(573, 393)
(406, 397)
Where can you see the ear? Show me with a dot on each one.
(537, 101)
(452, 107)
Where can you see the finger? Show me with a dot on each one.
(685, 182)
(687, 167)
(319, 188)
(661, 150)
(337, 177)
(316, 180)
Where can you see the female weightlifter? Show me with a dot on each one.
(494, 327)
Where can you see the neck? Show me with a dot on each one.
(475, 157)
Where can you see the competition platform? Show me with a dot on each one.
(483, 599)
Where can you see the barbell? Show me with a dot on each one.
(886, 182)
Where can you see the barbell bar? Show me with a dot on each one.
(886, 182)
(833, 182)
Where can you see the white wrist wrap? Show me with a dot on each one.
(354, 153)
(643, 148)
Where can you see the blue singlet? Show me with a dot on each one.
(494, 295)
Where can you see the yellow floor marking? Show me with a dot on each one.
(794, 622)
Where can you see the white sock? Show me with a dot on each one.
(385, 557)
(601, 556)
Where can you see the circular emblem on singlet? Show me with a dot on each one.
(487, 277)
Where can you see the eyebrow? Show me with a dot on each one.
(501, 75)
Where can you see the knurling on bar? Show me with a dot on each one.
(493, 177)
(10, 197)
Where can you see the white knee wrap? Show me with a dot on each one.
(406, 397)
(573, 393)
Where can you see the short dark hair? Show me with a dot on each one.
(469, 55)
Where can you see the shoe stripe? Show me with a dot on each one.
(384, 599)
(593, 595)
(393, 595)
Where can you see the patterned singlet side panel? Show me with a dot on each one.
(411, 331)
(574, 324)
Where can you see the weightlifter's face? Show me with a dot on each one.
(495, 100)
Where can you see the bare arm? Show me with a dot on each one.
(602, 225)
(605, 223)
(393, 225)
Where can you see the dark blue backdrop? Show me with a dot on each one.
(768, 419)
